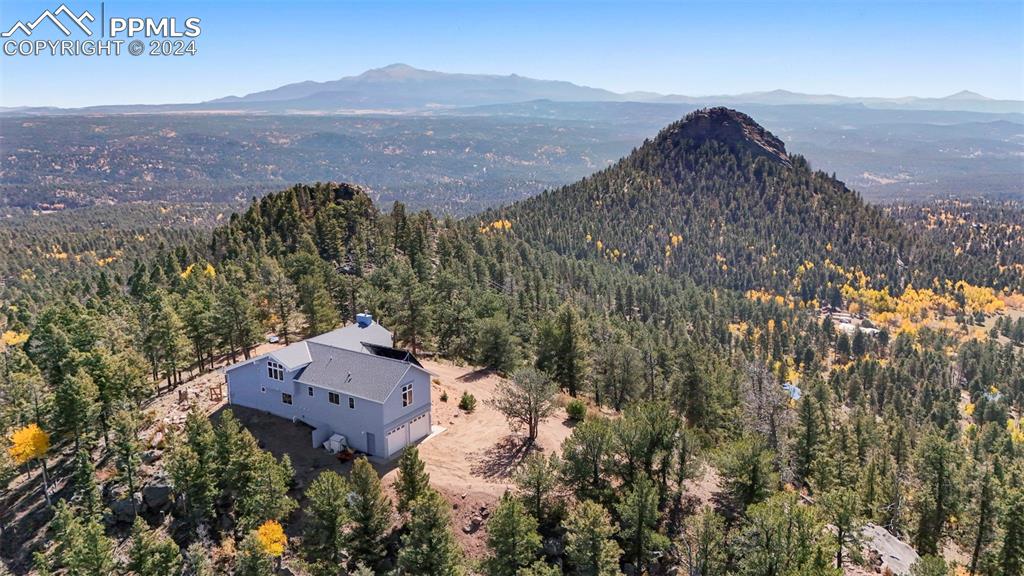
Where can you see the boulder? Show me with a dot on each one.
(123, 511)
(474, 524)
(150, 456)
(157, 497)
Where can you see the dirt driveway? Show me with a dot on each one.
(472, 460)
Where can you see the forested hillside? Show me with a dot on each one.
(711, 311)
(717, 198)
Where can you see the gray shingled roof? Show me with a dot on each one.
(351, 337)
(353, 373)
(292, 356)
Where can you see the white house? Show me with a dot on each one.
(350, 381)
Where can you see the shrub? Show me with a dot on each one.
(576, 410)
(468, 402)
(444, 396)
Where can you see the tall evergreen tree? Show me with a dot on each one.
(153, 554)
(937, 465)
(429, 546)
(638, 514)
(323, 542)
(512, 539)
(370, 514)
(413, 480)
(589, 544)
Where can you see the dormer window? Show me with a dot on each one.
(275, 371)
(406, 395)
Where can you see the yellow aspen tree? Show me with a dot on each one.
(272, 539)
(31, 443)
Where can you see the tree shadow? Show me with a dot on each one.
(476, 375)
(501, 459)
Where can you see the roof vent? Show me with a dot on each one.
(364, 319)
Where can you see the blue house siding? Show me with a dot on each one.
(250, 385)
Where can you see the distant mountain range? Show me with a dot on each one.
(402, 88)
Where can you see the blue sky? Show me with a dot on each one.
(862, 48)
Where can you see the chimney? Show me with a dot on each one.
(364, 319)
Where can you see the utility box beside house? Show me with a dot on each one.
(349, 382)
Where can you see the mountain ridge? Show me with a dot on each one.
(403, 88)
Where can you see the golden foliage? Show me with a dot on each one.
(28, 443)
(1016, 430)
(12, 338)
(497, 226)
(271, 537)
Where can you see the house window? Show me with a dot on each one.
(351, 402)
(333, 398)
(406, 395)
(286, 398)
(309, 390)
(275, 370)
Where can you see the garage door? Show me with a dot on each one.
(419, 427)
(396, 439)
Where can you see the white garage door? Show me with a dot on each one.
(419, 427)
(397, 439)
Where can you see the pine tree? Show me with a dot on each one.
(413, 480)
(87, 491)
(782, 536)
(703, 547)
(496, 347)
(126, 448)
(323, 541)
(536, 479)
(281, 297)
(233, 442)
(526, 400)
(938, 469)
(316, 304)
(411, 307)
(983, 517)
(638, 513)
(586, 457)
(747, 472)
(370, 514)
(165, 342)
(235, 319)
(82, 548)
(589, 543)
(198, 561)
(808, 437)
(253, 559)
(192, 467)
(262, 486)
(153, 554)
(429, 546)
(840, 508)
(76, 405)
(570, 361)
(1012, 556)
(512, 539)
